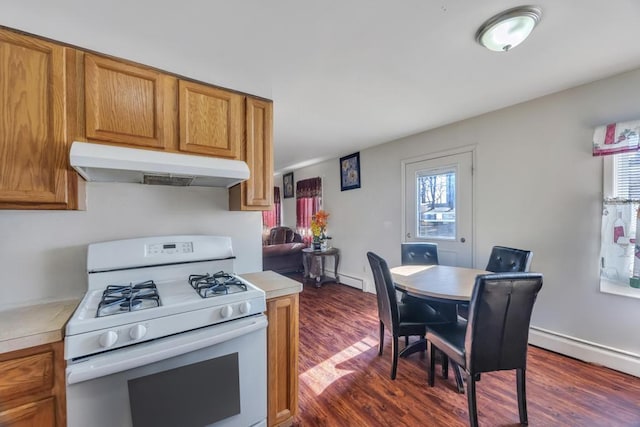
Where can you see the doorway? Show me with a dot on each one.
(438, 205)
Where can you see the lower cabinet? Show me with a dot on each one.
(282, 360)
(32, 391)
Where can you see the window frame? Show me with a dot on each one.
(608, 191)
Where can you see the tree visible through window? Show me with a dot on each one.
(436, 207)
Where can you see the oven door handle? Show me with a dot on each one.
(154, 351)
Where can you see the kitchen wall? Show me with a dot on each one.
(537, 187)
(43, 253)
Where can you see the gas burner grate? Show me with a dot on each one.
(220, 283)
(118, 299)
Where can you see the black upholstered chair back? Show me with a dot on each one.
(419, 253)
(499, 317)
(385, 292)
(503, 260)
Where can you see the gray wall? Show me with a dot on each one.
(43, 253)
(537, 187)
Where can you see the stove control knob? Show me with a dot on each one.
(245, 307)
(108, 339)
(226, 311)
(138, 332)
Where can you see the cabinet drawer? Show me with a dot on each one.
(26, 375)
(41, 414)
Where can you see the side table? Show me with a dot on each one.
(308, 256)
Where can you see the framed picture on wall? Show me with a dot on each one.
(350, 172)
(287, 185)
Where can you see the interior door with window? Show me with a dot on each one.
(438, 206)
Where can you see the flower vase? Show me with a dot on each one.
(316, 244)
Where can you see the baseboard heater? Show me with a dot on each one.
(586, 351)
(354, 282)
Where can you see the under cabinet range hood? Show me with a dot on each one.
(108, 163)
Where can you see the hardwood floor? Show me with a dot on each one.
(343, 381)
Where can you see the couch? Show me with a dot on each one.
(282, 251)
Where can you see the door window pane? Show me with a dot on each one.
(436, 203)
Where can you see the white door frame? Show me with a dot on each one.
(434, 155)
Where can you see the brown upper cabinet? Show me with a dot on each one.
(52, 94)
(211, 120)
(36, 105)
(257, 192)
(124, 103)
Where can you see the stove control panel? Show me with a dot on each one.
(169, 248)
(139, 331)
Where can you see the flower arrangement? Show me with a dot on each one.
(319, 224)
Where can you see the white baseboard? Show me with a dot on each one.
(613, 358)
(354, 282)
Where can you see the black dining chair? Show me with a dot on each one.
(399, 318)
(495, 337)
(424, 253)
(504, 259)
(419, 253)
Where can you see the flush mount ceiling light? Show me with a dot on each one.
(508, 29)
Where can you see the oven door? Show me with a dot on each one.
(213, 376)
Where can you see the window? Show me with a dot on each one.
(437, 205)
(618, 233)
(273, 217)
(308, 202)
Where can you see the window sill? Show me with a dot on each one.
(618, 288)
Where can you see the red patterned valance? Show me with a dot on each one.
(616, 138)
(311, 187)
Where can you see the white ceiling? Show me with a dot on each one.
(349, 74)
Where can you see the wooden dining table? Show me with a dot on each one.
(436, 282)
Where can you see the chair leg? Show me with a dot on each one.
(394, 360)
(458, 375)
(431, 351)
(445, 365)
(471, 400)
(522, 395)
(381, 340)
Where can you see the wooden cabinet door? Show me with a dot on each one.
(282, 359)
(211, 120)
(256, 193)
(125, 103)
(259, 153)
(33, 137)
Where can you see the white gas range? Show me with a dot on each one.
(166, 336)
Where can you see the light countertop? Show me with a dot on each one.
(34, 325)
(275, 285)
